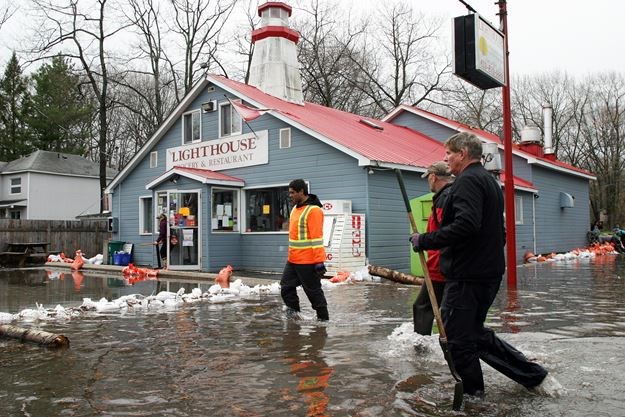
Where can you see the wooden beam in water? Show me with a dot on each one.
(46, 339)
(396, 276)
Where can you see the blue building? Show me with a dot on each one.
(220, 164)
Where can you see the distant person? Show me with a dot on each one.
(439, 180)
(617, 239)
(306, 256)
(162, 239)
(471, 239)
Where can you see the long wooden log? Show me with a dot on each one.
(393, 275)
(36, 336)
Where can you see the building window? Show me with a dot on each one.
(146, 216)
(153, 159)
(16, 186)
(191, 127)
(518, 209)
(225, 210)
(15, 214)
(285, 138)
(229, 120)
(267, 209)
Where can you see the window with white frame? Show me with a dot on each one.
(16, 185)
(153, 159)
(229, 120)
(146, 215)
(285, 138)
(191, 127)
(518, 209)
(225, 210)
(267, 209)
(16, 214)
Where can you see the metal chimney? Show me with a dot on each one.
(274, 68)
(548, 127)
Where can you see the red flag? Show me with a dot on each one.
(247, 113)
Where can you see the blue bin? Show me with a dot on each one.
(121, 258)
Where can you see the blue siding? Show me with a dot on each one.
(560, 229)
(388, 228)
(525, 230)
(423, 125)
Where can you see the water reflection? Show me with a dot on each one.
(303, 353)
(244, 358)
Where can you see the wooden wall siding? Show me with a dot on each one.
(425, 126)
(558, 229)
(66, 236)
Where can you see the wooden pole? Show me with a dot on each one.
(46, 339)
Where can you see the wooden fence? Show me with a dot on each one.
(67, 236)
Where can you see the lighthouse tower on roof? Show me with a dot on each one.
(274, 68)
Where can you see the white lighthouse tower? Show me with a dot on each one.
(274, 68)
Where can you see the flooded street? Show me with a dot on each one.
(245, 358)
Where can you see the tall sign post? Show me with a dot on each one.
(481, 58)
(507, 157)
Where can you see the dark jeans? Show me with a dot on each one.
(295, 275)
(464, 309)
(422, 313)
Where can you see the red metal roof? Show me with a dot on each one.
(207, 174)
(518, 182)
(203, 175)
(391, 144)
(485, 135)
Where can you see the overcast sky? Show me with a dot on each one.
(579, 36)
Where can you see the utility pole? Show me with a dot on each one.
(507, 152)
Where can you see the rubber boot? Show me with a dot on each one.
(322, 313)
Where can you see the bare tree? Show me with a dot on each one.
(244, 44)
(327, 42)
(6, 12)
(81, 32)
(604, 129)
(199, 23)
(399, 60)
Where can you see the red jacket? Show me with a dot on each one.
(434, 222)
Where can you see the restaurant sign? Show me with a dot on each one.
(227, 153)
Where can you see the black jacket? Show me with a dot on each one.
(312, 200)
(472, 233)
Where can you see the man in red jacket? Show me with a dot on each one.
(439, 179)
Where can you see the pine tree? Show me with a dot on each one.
(61, 116)
(15, 108)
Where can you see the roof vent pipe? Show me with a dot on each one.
(548, 126)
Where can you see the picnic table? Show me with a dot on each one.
(21, 253)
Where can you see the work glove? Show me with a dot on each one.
(414, 240)
(320, 270)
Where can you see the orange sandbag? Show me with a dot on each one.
(223, 277)
(78, 261)
(340, 276)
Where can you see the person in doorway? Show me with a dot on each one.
(471, 239)
(162, 239)
(439, 180)
(306, 255)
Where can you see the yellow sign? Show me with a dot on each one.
(266, 209)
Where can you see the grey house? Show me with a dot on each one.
(48, 185)
(219, 168)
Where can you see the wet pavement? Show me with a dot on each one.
(245, 358)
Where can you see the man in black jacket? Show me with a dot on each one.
(471, 239)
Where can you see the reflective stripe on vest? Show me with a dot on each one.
(302, 241)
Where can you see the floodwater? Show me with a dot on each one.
(246, 358)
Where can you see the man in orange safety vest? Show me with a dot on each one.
(306, 256)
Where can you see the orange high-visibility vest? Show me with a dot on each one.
(306, 235)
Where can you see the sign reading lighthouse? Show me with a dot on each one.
(232, 152)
